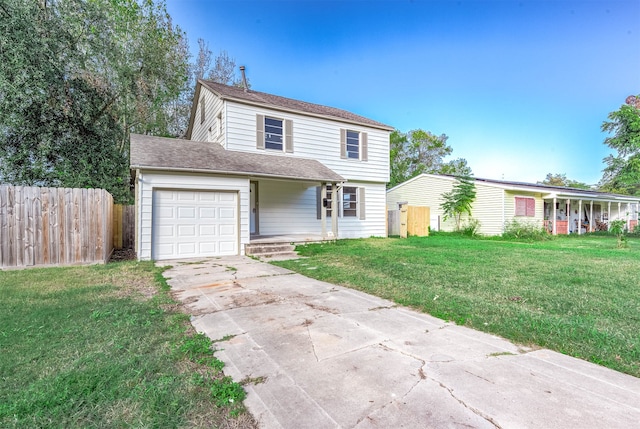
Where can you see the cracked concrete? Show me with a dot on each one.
(332, 357)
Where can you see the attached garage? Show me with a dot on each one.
(189, 224)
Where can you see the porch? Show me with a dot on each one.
(564, 215)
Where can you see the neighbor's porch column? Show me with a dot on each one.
(619, 209)
(579, 217)
(554, 231)
(608, 215)
(627, 216)
(334, 209)
(323, 208)
(567, 212)
(591, 216)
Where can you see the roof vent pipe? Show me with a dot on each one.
(244, 79)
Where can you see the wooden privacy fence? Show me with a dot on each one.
(54, 226)
(409, 220)
(123, 226)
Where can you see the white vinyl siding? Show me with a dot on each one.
(313, 138)
(297, 203)
(213, 125)
(151, 181)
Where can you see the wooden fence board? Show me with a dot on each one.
(409, 220)
(54, 226)
(123, 227)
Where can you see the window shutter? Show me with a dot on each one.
(521, 207)
(259, 131)
(531, 207)
(364, 143)
(343, 143)
(318, 202)
(361, 206)
(288, 135)
(202, 113)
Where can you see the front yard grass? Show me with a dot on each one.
(106, 346)
(576, 295)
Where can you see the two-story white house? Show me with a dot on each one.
(257, 165)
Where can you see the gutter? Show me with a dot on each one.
(238, 173)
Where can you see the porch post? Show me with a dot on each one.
(619, 211)
(627, 216)
(554, 231)
(579, 217)
(334, 209)
(591, 216)
(323, 208)
(567, 212)
(608, 215)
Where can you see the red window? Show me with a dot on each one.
(525, 206)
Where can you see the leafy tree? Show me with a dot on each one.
(561, 180)
(622, 171)
(223, 70)
(420, 151)
(76, 77)
(458, 201)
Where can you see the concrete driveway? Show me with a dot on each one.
(327, 357)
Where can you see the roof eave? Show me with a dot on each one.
(237, 173)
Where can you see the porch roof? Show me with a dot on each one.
(160, 153)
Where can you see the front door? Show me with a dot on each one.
(253, 208)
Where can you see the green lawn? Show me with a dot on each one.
(106, 346)
(577, 295)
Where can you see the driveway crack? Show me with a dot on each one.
(470, 408)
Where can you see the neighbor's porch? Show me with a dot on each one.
(579, 216)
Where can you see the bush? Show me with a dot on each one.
(471, 228)
(530, 231)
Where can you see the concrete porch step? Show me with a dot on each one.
(266, 249)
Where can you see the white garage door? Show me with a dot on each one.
(194, 223)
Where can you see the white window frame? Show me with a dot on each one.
(359, 145)
(282, 133)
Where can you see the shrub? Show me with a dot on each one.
(531, 231)
(617, 228)
(471, 228)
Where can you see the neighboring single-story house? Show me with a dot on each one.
(498, 202)
(257, 165)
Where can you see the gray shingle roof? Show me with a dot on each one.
(186, 155)
(274, 101)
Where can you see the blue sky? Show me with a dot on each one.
(520, 87)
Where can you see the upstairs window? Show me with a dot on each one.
(353, 145)
(273, 135)
(525, 206)
(202, 114)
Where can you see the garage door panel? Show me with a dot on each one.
(207, 212)
(227, 213)
(227, 231)
(194, 223)
(185, 195)
(186, 212)
(207, 231)
(186, 231)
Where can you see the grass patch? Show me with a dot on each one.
(106, 346)
(576, 295)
